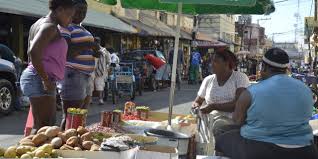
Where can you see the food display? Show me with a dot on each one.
(76, 117)
(143, 112)
(130, 108)
(116, 116)
(106, 118)
(21, 151)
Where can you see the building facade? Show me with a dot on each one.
(220, 27)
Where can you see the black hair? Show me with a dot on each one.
(227, 56)
(274, 69)
(279, 56)
(80, 2)
(98, 40)
(54, 4)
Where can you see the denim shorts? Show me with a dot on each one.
(75, 85)
(31, 84)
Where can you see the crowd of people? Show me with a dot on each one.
(266, 120)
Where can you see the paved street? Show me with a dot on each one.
(12, 126)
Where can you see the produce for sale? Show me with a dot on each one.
(87, 145)
(87, 136)
(57, 142)
(52, 131)
(77, 111)
(130, 108)
(44, 151)
(72, 141)
(142, 108)
(39, 139)
(2, 151)
(81, 130)
(43, 129)
(10, 152)
(70, 132)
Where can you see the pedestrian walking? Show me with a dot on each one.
(100, 74)
(80, 64)
(195, 62)
(47, 52)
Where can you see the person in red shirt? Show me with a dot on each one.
(160, 66)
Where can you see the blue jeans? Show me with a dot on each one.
(32, 86)
(75, 85)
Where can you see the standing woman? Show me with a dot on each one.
(80, 64)
(47, 52)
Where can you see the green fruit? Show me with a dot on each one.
(26, 156)
(39, 154)
(47, 148)
(54, 154)
(2, 151)
(10, 152)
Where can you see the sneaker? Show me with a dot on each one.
(101, 102)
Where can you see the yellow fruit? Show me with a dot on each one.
(2, 151)
(78, 110)
(47, 148)
(22, 150)
(10, 152)
(46, 155)
(83, 111)
(26, 156)
(39, 154)
(54, 154)
(31, 154)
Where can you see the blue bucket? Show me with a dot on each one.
(314, 117)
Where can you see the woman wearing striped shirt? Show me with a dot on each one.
(80, 63)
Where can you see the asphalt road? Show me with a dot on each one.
(12, 126)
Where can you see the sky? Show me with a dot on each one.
(283, 20)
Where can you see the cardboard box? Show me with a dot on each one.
(129, 154)
(157, 152)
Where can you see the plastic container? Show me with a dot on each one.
(116, 118)
(73, 121)
(142, 114)
(106, 118)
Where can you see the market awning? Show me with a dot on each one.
(157, 24)
(39, 8)
(208, 44)
(143, 29)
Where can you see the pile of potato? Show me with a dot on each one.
(71, 139)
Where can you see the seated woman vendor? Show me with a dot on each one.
(218, 92)
(273, 116)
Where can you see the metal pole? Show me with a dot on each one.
(315, 10)
(175, 60)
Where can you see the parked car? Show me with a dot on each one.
(8, 86)
(145, 69)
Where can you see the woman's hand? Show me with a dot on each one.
(195, 105)
(206, 109)
(48, 85)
